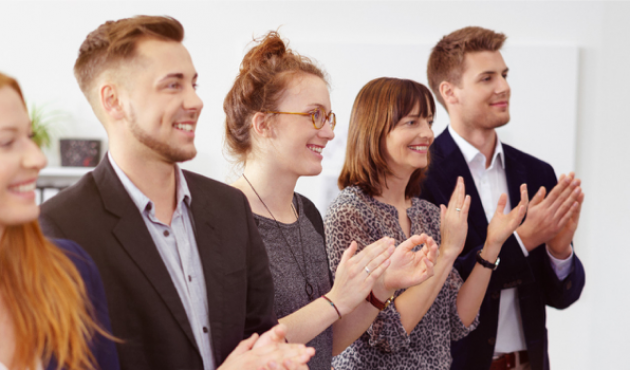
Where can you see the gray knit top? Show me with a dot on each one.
(289, 283)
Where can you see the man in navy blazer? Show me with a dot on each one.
(537, 265)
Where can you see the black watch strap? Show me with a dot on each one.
(486, 264)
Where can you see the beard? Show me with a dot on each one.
(169, 152)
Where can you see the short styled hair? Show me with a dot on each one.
(114, 41)
(446, 62)
(378, 107)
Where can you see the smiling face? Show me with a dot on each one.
(407, 144)
(160, 103)
(20, 162)
(482, 99)
(296, 145)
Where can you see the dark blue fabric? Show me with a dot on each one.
(103, 349)
(534, 277)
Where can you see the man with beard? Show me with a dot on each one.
(537, 265)
(184, 268)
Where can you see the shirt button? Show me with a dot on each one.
(149, 206)
(205, 329)
(166, 233)
(189, 278)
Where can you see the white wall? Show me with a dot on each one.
(40, 40)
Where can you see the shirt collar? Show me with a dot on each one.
(142, 201)
(471, 153)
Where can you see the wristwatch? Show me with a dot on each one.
(486, 264)
(378, 304)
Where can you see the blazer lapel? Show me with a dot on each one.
(516, 175)
(450, 163)
(133, 235)
(206, 221)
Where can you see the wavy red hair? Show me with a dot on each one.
(45, 297)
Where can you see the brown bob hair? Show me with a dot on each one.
(265, 73)
(379, 106)
(114, 41)
(446, 62)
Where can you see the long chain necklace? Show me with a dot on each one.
(308, 288)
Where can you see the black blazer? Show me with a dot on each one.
(145, 308)
(534, 277)
(103, 349)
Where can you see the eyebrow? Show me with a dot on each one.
(493, 72)
(179, 76)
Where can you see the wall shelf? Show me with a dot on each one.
(61, 177)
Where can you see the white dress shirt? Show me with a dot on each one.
(178, 248)
(491, 182)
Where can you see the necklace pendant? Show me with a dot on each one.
(308, 288)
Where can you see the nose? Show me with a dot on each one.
(503, 87)
(326, 132)
(426, 132)
(33, 157)
(192, 101)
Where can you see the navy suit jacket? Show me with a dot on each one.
(103, 349)
(145, 309)
(533, 276)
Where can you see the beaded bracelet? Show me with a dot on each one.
(332, 304)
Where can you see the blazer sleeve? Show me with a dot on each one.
(260, 292)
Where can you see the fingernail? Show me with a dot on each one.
(575, 183)
(577, 191)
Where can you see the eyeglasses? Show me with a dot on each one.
(318, 116)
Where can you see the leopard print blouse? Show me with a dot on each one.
(354, 215)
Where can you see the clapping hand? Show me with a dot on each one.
(356, 274)
(408, 268)
(268, 352)
(503, 225)
(454, 222)
(548, 217)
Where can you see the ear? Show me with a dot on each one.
(447, 91)
(109, 98)
(261, 124)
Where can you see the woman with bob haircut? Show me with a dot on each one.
(279, 120)
(386, 158)
(53, 312)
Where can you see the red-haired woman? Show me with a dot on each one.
(53, 312)
(278, 122)
(387, 154)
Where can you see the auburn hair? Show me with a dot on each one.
(45, 297)
(378, 107)
(446, 62)
(264, 74)
(114, 41)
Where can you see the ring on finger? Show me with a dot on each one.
(367, 270)
(458, 209)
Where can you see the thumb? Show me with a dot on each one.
(245, 345)
(501, 204)
(539, 197)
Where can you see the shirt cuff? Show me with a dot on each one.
(520, 242)
(562, 268)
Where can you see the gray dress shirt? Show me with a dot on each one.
(178, 248)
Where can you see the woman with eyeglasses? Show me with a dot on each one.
(386, 159)
(53, 313)
(278, 123)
